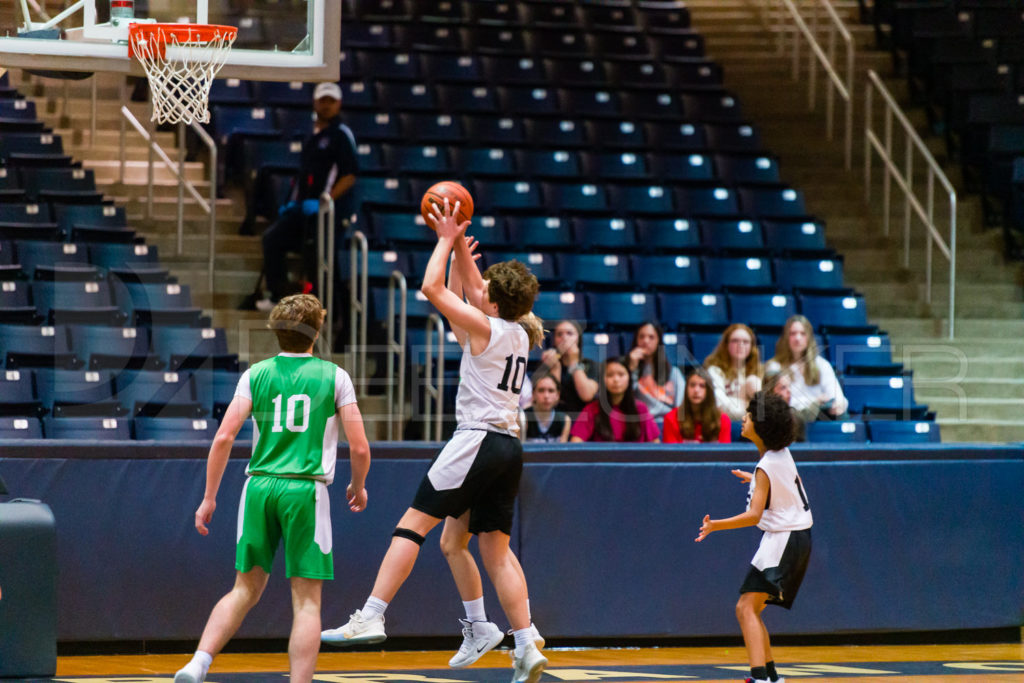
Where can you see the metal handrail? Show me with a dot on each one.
(905, 181)
(396, 347)
(325, 264)
(827, 60)
(209, 206)
(434, 393)
(358, 294)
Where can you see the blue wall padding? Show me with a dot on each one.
(921, 539)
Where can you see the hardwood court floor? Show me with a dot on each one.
(860, 664)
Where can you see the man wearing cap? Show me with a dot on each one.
(329, 164)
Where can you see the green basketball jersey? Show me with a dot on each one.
(295, 398)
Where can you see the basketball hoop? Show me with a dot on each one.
(181, 61)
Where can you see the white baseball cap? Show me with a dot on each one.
(332, 90)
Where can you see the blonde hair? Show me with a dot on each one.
(784, 355)
(296, 321)
(534, 327)
(720, 358)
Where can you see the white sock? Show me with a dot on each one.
(374, 607)
(523, 638)
(200, 664)
(475, 609)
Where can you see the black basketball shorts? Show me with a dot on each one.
(779, 566)
(477, 471)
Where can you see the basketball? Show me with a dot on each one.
(454, 192)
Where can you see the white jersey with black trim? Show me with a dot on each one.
(490, 383)
(787, 508)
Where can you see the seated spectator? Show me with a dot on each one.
(697, 419)
(814, 388)
(735, 370)
(544, 422)
(576, 375)
(658, 384)
(616, 415)
(779, 384)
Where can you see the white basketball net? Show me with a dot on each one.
(181, 64)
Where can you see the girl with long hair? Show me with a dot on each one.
(616, 415)
(698, 419)
(657, 383)
(576, 375)
(735, 370)
(813, 382)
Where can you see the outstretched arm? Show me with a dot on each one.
(749, 518)
(455, 284)
(458, 312)
(472, 281)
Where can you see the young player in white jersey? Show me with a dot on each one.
(777, 504)
(297, 403)
(478, 470)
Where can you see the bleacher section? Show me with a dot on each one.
(602, 148)
(964, 60)
(97, 339)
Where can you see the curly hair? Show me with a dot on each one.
(773, 420)
(513, 288)
(296, 321)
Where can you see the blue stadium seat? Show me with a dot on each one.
(499, 40)
(730, 233)
(470, 99)
(668, 234)
(233, 91)
(694, 310)
(191, 347)
(711, 107)
(227, 123)
(622, 45)
(215, 389)
(111, 256)
(745, 169)
(824, 274)
(500, 14)
(408, 96)
(694, 75)
(486, 161)
(617, 133)
(155, 393)
(284, 94)
(551, 15)
(541, 232)
(430, 36)
(392, 65)
(87, 428)
(834, 311)
(541, 265)
(557, 134)
(33, 149)
(600, 346)
(592, 103)
(33, 253)
(660, 104)
(702, 344)
(772, 202)
(396, 228)
(577, 71)
(618, 166)
(24, 346)
(28, 222)
(644, 200)
(794, 235)
(296, 123)
(885, 394)
(11, 190)
(668, 272)
(158, 304)
(576, 197)
(94, 223)
(373, 126)
(388, 192)
(637, 74)
(733, 138)
(174, 429)
(677, 348)
(744, 272)
(621, 309)
(418, 308)
(561, 42)
(678, 137)
(497, 131)
(19, 115)
(605, 234)
(554, 306)
(20, 428)
(675, 47)
(844, 431)
(77, 393)
(113, 348)
(416, 346)
(904, 431)
(86, 302)
(490, 230)
(16, 303)
(18, 396)
(547, 163)
(682, 167)
(594, 269)
(515, 70)
(761, 310)
(361, 35)
(707, 201)
(507, 194)
(860, 351)
(453, 67)
(419, 159)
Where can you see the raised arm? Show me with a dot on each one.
(455, 283)
(472, 281)
(237, 413)
(458, 312)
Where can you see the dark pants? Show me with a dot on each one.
(290, 232)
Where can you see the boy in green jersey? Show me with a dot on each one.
(297, 403)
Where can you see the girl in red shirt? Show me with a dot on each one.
(697, 419)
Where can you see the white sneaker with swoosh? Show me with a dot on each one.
(478, 638)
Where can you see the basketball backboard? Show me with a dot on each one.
(278, 40)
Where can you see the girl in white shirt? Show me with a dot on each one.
(813, 381)
(735, 370)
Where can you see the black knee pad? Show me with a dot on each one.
(409, 534)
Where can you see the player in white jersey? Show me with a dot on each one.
(297, 403)
(777, 504)
(478, 470)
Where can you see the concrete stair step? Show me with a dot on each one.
(980, 431)
(165, 207)
(108, 172)
(959, 408)
(198, 244)
(998, 329)
(943, 369)
(969, 389)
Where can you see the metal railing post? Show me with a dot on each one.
(325, 263)
(358, 293)
(434, 391)
(181, 188)
(396, 347)
(210, 208)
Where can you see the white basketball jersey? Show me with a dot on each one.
(787, 508)
(490, 383)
